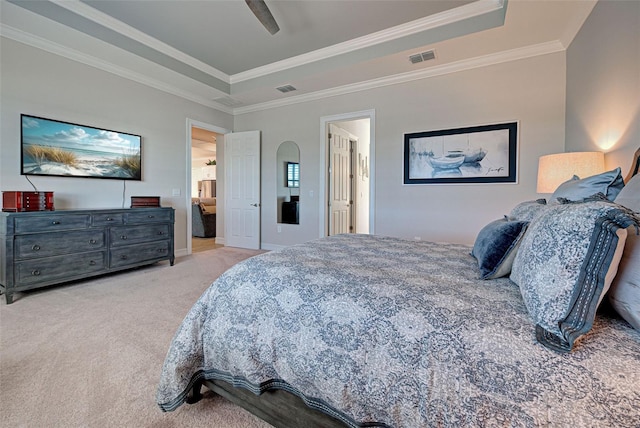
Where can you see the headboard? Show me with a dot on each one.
(635, 166)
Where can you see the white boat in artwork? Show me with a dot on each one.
(470, 155)
(449, 161)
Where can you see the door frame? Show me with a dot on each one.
(209, 127)
(323, 229)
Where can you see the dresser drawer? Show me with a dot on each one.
(148, 216)
(50, 223)
(50, 244)
(107, 219)
(127, 235)
(134, 254)
(59, 268)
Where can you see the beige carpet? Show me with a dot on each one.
(89, 354)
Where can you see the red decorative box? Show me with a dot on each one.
(145, 201)
(27, 201)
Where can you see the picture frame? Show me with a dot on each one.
(474, 154)
(57, 148)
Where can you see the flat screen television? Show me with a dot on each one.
(56, 148)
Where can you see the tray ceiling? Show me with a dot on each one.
(217, 53)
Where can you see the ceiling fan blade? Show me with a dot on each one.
(262, 12)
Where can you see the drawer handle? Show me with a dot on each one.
(123, 237)
(160, 250)
(109, 219)
(123, 257)
(55, 222)
(151, 216)
(36, 247)
(92, 241)
(92, 263)
(160, 233)
(35, 273)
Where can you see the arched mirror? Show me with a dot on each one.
(288, 179)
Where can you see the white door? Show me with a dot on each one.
(242, 189)
(339, 181)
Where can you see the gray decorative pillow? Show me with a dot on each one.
(496, 247)
(528, 210)
(629, 196)
(565, 264)
(609, 183)
(624, 294)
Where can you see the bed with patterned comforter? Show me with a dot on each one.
(399, 333)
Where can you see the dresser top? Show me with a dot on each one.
(83, 211)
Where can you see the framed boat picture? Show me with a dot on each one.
(476, 154)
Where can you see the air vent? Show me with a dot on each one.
(228, 101)
(286, 88)
(424, 56)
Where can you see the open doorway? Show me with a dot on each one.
(204, 144)
(347, 174)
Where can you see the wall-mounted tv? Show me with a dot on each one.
(51, 147)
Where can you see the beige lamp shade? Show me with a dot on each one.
(553, 170)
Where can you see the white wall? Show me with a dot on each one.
(42, 84)
(603, 83)
(531, 91)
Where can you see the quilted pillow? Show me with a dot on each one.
(565, 264)
(496, 247)
(609, 183)
(528, 210)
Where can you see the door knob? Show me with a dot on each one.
(254, 205)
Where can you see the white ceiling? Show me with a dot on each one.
(216, 52)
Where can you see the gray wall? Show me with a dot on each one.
(42, 84)
(530, 91)
(603, 83)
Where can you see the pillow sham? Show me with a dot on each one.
(624, 294)
(565, 264)
(609, 183)
(496, 246)
(629, 196)
(527, 210)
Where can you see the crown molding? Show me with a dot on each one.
(454, 67)
(120, 27)
(467, 11)
(467, 64)
(74, 55)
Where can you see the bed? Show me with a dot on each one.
(362, 330)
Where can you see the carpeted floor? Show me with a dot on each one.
(89, 354)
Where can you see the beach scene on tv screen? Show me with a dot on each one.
(51, 147)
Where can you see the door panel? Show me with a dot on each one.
(242, 189)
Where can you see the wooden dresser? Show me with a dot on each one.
(43, 248)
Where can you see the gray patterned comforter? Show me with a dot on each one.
(402, 333)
